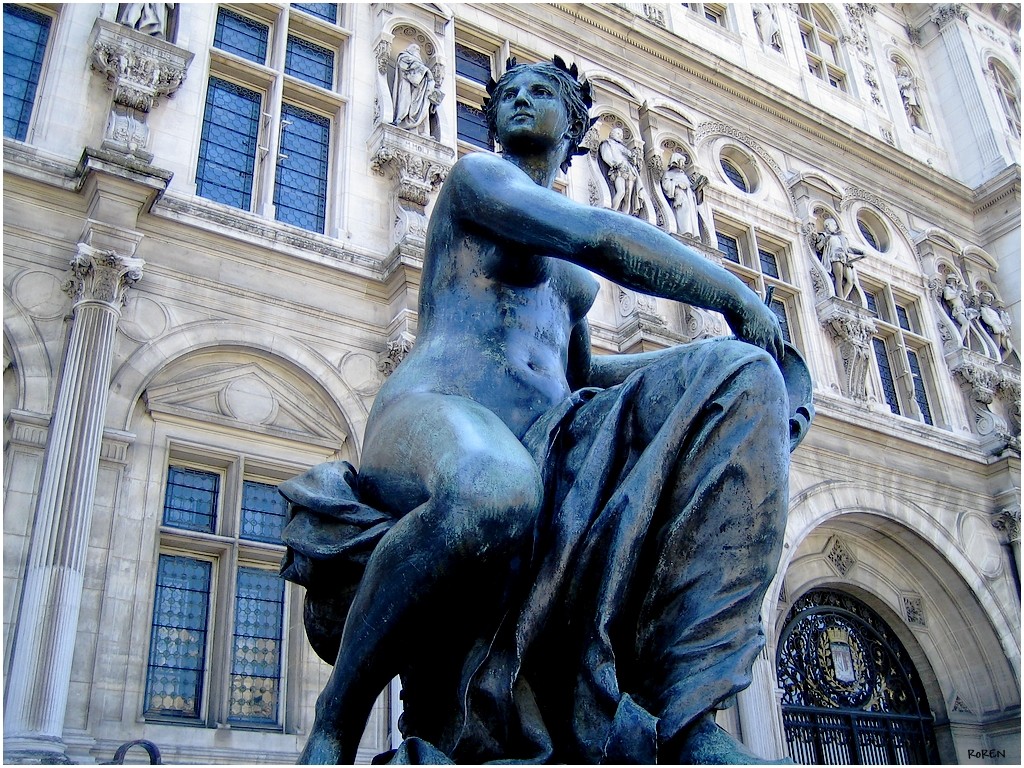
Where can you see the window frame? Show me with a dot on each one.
(29, 122)
(816, 35)
(227, 551)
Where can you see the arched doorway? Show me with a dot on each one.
(850, 692)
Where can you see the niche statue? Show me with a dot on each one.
(562, 556)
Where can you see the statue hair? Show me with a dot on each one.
(576, 96)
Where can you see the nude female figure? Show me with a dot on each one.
(502, 338)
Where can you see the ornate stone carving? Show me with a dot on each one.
(913, 610)
(851, 328)
(101, 275)
(707, 129)
(853, 194)
(655, 13)
(139, 68)
(1007, 522)
(979, 378)
(840, 556)
(949, 12)
(395, 353)
(417, 165)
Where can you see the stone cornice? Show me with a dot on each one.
(997, 189)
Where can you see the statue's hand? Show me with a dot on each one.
(756, 324)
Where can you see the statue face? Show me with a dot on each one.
(530, 112)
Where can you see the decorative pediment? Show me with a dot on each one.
(247, 397)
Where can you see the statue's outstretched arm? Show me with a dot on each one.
(491, 194)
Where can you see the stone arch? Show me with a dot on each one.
(854, 195)
(31, 365)
(711, 135)
(617, 85)
(132, 378)
(911, 540)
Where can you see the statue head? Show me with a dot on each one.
(986, 297)
(575, 95)
(831, 226)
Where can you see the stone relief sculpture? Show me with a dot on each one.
(908, 94)
(415, 95)
(954, 295)
(154, 19)
(682, 193)
(838, 256)
(767, 25)
(622, 171)
(996, 321)
(562, 555)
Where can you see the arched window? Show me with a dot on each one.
(821, 46)
(850, 693)
(1008, 93)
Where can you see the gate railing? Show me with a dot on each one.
(817, 736)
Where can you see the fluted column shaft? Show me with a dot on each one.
(44, 642)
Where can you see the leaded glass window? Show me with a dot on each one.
(177, 648)
(734, 175)
(241, 36)
(191, 499)
(872, 302)
(903, 318)
(227, 148)
(472, 126)
(885, 372)
(300, 194)
(920, 395)
(769, 262)
(256, 647)
(780, 312)
(868, 235)
(325, 11)
(730, 246)
(472, 64)
(25, 35)
(309, 62)
(264, 512)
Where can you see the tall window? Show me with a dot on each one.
(821, 46)
(25, 36)
(473, 68)
(1007, 92)
(264, 148)
(218, 567)
(901, 354)
(762, 263)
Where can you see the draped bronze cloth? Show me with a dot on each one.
(639, 608)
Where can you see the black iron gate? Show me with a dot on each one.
(851, 696)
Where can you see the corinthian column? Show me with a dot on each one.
(44, 641)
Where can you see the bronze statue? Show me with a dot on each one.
(563, 556)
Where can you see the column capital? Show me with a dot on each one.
(946, 13)
(102, 275)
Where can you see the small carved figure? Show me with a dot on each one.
(622, 173)
(154, 19)
(414, 87)
(908, 93)
(997, 322)
(767, 26)
(838, 255)
(954, 293)
(682, 195)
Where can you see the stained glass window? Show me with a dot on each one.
(472, 126)
(920, 395)
(227, 149)
(25, 36)
(325, 11)
(256, 647)
(263, 512)
(730, 246)
(885, 372)
(241, 36)
(177, 648)
(191, 499)
(300, 192)
(309, 62)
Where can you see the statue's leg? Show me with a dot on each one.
(474, 493)
(718, 533)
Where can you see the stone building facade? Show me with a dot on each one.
(213, 235)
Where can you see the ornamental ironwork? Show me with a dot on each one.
(850, 693)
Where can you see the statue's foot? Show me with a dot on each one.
(705, 743)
